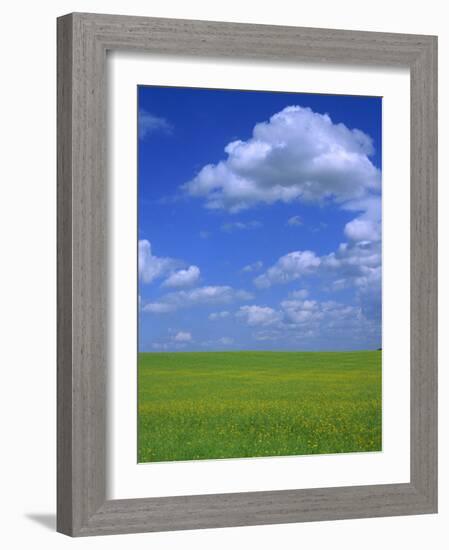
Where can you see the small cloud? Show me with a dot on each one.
(152, 267)
(219, 315)
(363, 230)
(239, 226)
(259, 315)
(256, 266)
(149, 124)
(294, 221)
(288, 268)
(182, 337)
(316, 228)
(205, 234)
(220, 342)
(268, 335)
(158, 307)
(159, 345)
(183, 278)
(299, 294)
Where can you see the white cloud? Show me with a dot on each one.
(370, 299)
(367, 226)
(370, 206)
(358, 262)
(294, 221)
(205, 234)
(358, 265)
(268, 335)
(160, 345)
(148, 124)
(158, 307)
(183, 277)
(302, 311)
(299, 294)
(152, 267)
(296, 155)
(213, 294)
(259, 315)
(288, 268)
(182, 337)
(298, 320)
(223, 341)
(362, 230)
(255, 266)
(219, 315)
(200, 296)
(327, 321)
(317, 228)
(235, 226)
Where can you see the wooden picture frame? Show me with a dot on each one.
(83, 40)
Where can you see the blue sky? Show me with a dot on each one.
(259, 220)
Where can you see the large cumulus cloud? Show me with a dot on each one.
(296, 155)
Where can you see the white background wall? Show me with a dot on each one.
(27, 289)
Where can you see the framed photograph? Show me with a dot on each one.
(247, 274)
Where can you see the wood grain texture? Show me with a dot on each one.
(64, 277)
(423, 275)
(83, 40)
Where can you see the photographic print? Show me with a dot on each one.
(259, 274)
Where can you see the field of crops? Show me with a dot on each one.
(247, 404)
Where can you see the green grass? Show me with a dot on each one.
(247, 404)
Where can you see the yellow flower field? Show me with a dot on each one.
(210, 405)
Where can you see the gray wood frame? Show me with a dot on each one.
(83, 40)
